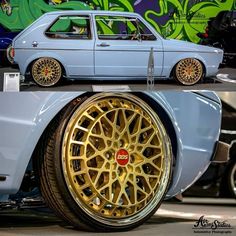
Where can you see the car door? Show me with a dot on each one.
(70, 37)
(123, 45)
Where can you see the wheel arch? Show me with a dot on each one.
(199, 58)
(35, 57)
(157, 106)
(54, 103)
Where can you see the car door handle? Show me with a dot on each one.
(103, 45)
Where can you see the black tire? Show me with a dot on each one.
(46, 72)
(228, 182)
(54, 182)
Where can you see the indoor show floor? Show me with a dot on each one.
(170, 219)
(224, 81)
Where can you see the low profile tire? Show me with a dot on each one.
(46, 72)
(105, 162)
(232, 179)
(188, 71)
(228, 182)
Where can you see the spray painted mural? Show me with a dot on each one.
(18, 14)
(181, 19)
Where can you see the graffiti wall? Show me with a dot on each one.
(181, 19)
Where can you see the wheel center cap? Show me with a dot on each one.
(122, 157)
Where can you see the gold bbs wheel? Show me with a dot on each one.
(46, 71)
(188, 71)
(115, 157)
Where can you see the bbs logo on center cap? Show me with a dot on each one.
(122, 157)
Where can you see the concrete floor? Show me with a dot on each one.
(219, 83)
(170, 219)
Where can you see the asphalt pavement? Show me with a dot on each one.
(186, 218)
(224, 81)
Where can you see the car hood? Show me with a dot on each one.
(184, 46)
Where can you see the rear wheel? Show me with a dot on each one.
(188, 71)
(9, 54)
(106, 162)
(46, 71)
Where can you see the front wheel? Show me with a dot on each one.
(188, 71)
(106, 162)
(46, 71)
(228, 182)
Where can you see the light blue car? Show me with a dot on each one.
(107, 45)
(105, 161)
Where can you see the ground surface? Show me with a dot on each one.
(170, 219)
(224, 81)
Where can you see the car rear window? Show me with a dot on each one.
(70, 27)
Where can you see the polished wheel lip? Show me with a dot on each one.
(185, 69)
(167, 160)
(54, 63)
(233, 179)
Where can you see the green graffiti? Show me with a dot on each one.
(24, 12)
(113, 5)
(186, 18)
(186, 21)
(183, 19)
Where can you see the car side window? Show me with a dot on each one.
(122, 28)
(70, 27)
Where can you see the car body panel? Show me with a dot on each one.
(205, 54)
(119, 58)
(196, 120)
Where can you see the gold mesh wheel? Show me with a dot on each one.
(116, 158)
(189, 71)
(46, 71)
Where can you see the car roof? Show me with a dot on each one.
(97, 12)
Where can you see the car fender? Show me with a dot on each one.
(38, 55)
(172, 60)
(196, 140)
(22, 128)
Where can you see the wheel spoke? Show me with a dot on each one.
(46, 71)
(189, 71)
